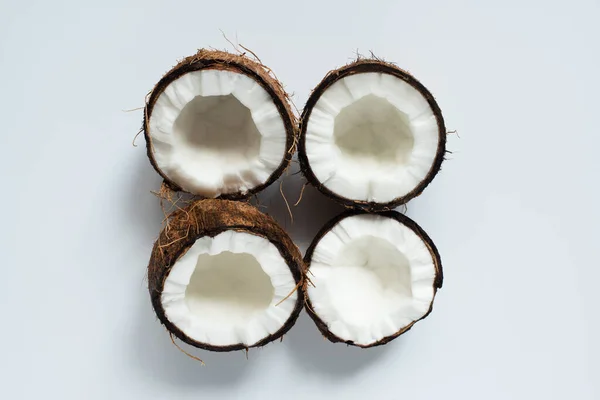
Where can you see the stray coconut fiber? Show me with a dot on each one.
(371, 136)
(374, 276)
(223, 276)
(219, 125)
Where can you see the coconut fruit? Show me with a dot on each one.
(219, 125)
(371, 136)
(223, 276)
(374, 276)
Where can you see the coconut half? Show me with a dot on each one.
(219, 125)
(223, 276)
(374, 276)
(371, 136)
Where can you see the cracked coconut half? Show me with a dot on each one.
(219, 125)
(372, 136)
(223, 276)
(374, 276)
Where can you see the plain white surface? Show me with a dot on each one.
(514, 212)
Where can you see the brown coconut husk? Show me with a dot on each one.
(404, 220)
(239, 63)
(362, 65)
(210, 217)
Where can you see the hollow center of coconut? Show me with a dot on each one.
(219, 127)
(217, 132)
(371, 137)
(229, 283)
(373, 276)
(372, 130)
(225, 289)
(371, 266)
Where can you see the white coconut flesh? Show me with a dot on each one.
(216, 132)
(225, 290)
(373, 276)
(371, 137)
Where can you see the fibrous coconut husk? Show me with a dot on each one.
(210, 217)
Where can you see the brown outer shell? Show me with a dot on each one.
(357, 67)
(404, 220)
(209, 218)
(221, 60)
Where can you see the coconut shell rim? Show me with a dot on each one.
(364, 66)
(221, 60)
(401, 218)
(293, 261)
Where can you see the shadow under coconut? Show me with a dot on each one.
(311, 213)
(142, 208)
(316, 353)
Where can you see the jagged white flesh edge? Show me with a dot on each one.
(262, 324)
(349, 179)
(173, 158)
(397, 312)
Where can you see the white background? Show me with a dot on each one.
(514, 212)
